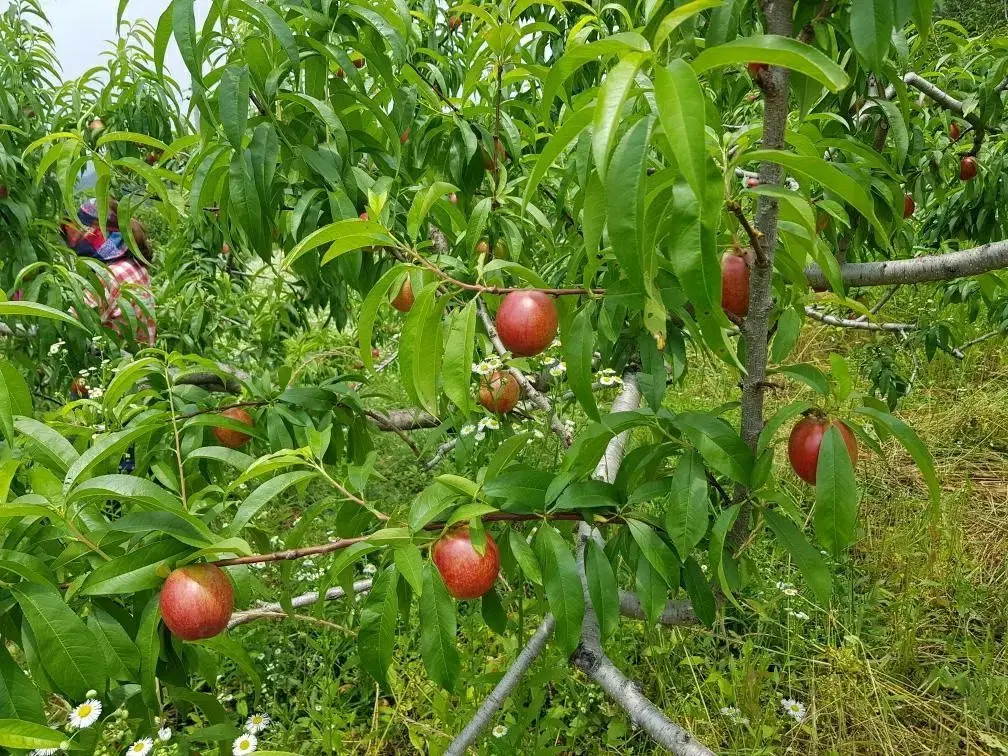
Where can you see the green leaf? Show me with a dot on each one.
(24, 735)
(423, 201)
(681, 14)
(437, 631)
(264, 494)
(184, 28)
(180, 525)
(376, 637)
(608, 109)
(720, 558)
(697, 269)
(420, 348)
(625, 204)
(912, 443)
(128, 488)
(521, 485)
(109, 447)
(429, 503)
(776, 51)
(897, 127)
(588, 494)
(830, 177)
(579, 347)
(871, 26)
(15, 399)
(65, 645)
(125, 379)
(686, 518)
(681, 109)
(342, 236)
(788, 329)
(656, 551)
(368, 313)
(233, 101)
(525, 557)
(835, 515)
(780, 417)
(602, 588)
(149, 642)
(19, 698)
(807, 557)
(36, 310)
(810, 375)
(699, 590)
(459, 346)
(564, 592)
(651, 589)
(558, 143)
(409, 562)
(121, 653)
(719, 444)
(27, 566)
(137, 570)
(279, 28)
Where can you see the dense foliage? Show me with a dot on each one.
(397, 170)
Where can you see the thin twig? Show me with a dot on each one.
(864, 325)
(752, 233)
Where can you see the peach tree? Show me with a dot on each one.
(655, 186)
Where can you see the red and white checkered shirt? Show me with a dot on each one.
(127, 276)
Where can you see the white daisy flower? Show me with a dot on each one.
(611, 380)
(86, 714)
(558, 369)
(259, 722)
(84, 372)
(493, 361)
(480, 435)
(164, 734)
(794, 709)
(97, 393)
(555, 344)
(798, 615)
(56, 347)
(790, 591)
(468, 430)
(141, 748)
(45, 752)
(483, 368)
(731, 712)
(499, 731)
(244, 744)
(367, 569)
(489, 423)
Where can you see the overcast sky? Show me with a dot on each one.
(83, 28)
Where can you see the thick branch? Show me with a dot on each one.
(755, 328)
(943, 267)
(675, 612)
(530, 391)
(484, 715)
(589, 656)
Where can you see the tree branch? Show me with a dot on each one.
(530, 391)
(941, 267)
(675, 613)
(484, 715)
(305, 599)
(402, 419)
(589, 656)
(864, 325)
(755, 328)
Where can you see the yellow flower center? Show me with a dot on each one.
(83, 710)
(243, 744)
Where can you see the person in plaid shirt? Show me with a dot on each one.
(126, 280)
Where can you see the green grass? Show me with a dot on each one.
(910, 658)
